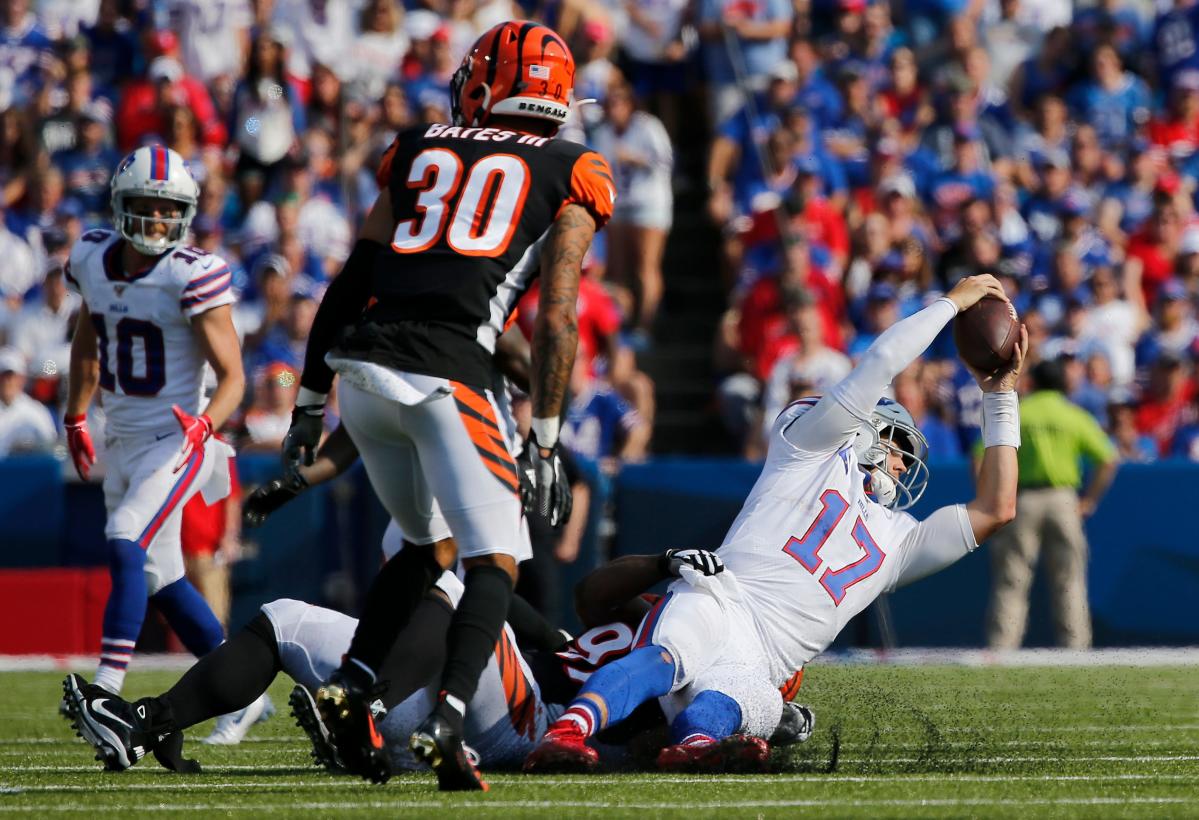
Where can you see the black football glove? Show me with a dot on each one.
(300, 443)
(706, 563)
(270, 497)
(544, 488)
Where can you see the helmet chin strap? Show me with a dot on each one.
(881, 485)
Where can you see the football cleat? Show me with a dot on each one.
(796, 726)
(112, 726)
(345, 710)
(232, 728)
(308, 718)
(733, 754)
(562, 751)
(436, 743)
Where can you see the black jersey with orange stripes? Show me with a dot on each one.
(472, 208)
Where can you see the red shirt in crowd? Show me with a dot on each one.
(599, 317)
(1161, 417)
(1157, 265)
(139, 114)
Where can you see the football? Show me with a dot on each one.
(986, 334)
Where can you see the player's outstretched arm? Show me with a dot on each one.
(953, 532)
(994, 503)
(336, 455)
(613, 592)
(840, 412)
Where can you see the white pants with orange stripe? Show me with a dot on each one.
(144, 496)
(504, 719)
(437, 453)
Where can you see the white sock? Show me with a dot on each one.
(110, 678)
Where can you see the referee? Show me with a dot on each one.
(1056, 436)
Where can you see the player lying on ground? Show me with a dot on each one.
(468, 216)
(517, 697)
(820, 536)
(154, 313)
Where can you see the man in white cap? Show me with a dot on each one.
(25, 424)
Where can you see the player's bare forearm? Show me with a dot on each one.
(512, 357)
(218, 339)
(556, 332)
(994, 504)
(85, 365)
(612, 592)
(335, 456)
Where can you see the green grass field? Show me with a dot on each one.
(891, 741)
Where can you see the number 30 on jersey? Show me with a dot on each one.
(488, 206)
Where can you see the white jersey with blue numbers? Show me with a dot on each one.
(149, 357)
(810, 549)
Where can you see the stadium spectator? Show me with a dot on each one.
(268, 114)
(1168, 393)
(1055, 436)
(1131, 446)
(742, 43)
(214, 36)
(638, 149)
(144, 104)
(379, 47)
(269, 416)
(41, 332)
(600, 426)
(25, 425)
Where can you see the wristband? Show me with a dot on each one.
(546, 432)
(310, 398)
(1001, 419)
(70, 420)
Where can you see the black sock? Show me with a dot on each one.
(532, 629)
(396, 591)
(473, 633)
(418, 654)
(228, 678)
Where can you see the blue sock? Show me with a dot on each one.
(614, 691)
(712, 714)
(190, 616)
(124, 612)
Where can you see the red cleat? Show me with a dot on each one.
(562, 751)
(736, 753)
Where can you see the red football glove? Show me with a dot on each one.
(79, 442)
(196, 431)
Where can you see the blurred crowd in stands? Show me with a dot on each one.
(859, 156)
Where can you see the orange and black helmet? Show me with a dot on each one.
(518, 68)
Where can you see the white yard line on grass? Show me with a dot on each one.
(506, 805)
(592, 780)
(881, 759)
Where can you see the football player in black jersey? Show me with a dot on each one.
(468, 216)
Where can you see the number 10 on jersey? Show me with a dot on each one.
(488, 207)
(806, 549)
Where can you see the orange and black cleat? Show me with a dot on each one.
(346, 711)
(437, 743)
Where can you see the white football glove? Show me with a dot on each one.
(704, 562)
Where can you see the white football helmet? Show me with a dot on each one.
(153, 171)
(892, 429)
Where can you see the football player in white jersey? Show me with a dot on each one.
(154, 313)
(821, 535)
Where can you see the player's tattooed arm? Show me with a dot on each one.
(85, 365)
(556, 332)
